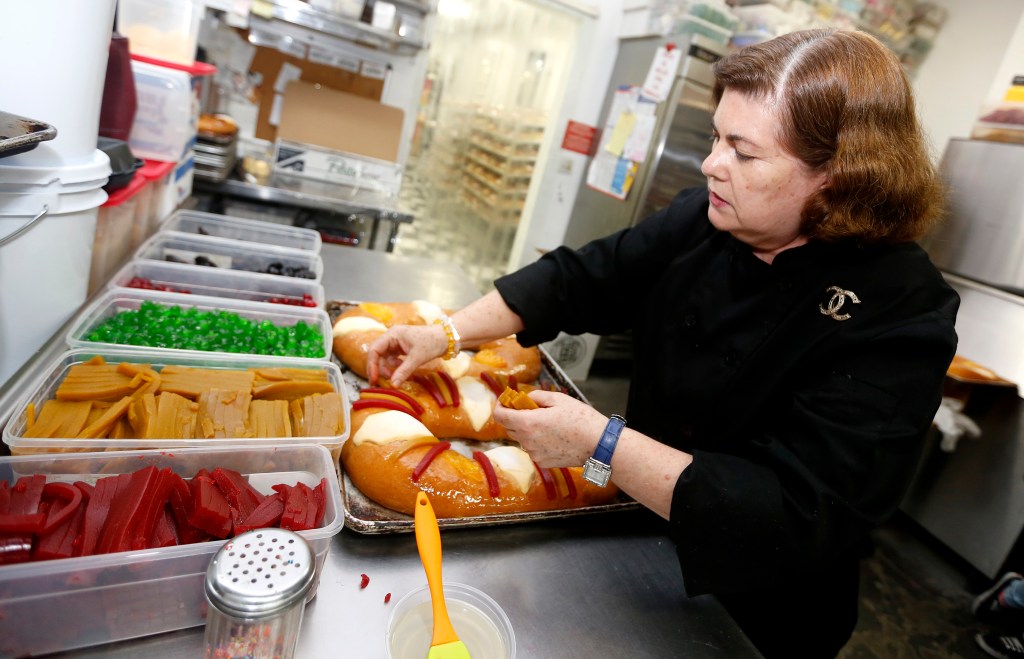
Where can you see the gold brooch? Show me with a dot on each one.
(836, 302)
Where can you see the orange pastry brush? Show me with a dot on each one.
(445, 643)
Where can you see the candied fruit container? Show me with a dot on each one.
(62, 604)
(218, 282)
(204, 322)
(49, 380)
(246, 229)
(215, 252)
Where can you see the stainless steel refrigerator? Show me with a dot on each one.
(680, 140)
(681, 137)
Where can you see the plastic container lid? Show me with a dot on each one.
(25, 191)
(156, 169)
(85, 175)
(123, 194)
(196, 69)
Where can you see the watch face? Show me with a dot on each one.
(596, 472)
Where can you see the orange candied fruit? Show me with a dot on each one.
(490, 358)
(379, 311)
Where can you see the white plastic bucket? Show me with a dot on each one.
(47, 228)
(55, 61)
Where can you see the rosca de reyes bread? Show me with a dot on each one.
(356, 328)
(449, 408)
(392, 456)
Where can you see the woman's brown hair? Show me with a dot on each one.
(846, 108)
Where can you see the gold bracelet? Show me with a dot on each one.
(454, 340)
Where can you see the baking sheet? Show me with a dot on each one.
(20, 134)
(366, 516)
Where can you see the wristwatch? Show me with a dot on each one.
(598, 468)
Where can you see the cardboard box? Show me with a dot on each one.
(268, 63)
(340, 121)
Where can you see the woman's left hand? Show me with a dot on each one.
(563, 432)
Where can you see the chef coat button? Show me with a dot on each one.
(729, 359)
(689, 320)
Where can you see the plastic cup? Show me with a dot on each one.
(478, 620)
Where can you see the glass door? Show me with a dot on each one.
(495, 77)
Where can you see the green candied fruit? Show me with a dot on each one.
(159, 326)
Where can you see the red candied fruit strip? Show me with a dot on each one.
(492, 478)
(22, 522)
(434, 451)
(413, 403)
(491, 383)
(69, 493)
(372, 403)
(452, 388)
(267, 514)
(570, 484)
(432, 389)
(549, 483)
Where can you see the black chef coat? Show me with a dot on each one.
(805, 428)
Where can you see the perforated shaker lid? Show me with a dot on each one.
(260, 573)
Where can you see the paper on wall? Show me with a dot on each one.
(623, 128)
(662, 72)
(288, 73)
(275, 110)
(639, 141)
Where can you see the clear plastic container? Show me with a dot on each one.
(120, 300)
(479, 621)
(690, 24)
(218, 282)
(167, 113)
(163, 29)
(45, 386)
(231, 254)
(56, 605)
(767, 18)
(115, 228)
(237, 228)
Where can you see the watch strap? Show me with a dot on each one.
(609, 438)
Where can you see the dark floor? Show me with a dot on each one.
(915, 593)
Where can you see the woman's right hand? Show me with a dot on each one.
(402, 349)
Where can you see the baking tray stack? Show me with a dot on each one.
(216, 155)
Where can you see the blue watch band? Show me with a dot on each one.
(609, 438)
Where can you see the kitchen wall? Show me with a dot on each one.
(978, 51)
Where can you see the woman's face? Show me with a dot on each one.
(758, 189)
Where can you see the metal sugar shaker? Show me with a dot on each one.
(256, 586)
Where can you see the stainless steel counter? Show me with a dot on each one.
(316, 195)
(604, 585)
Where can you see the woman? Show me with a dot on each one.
(790, 339)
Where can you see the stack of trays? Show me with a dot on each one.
(216, 151)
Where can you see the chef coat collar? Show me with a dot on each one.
(809, 253)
